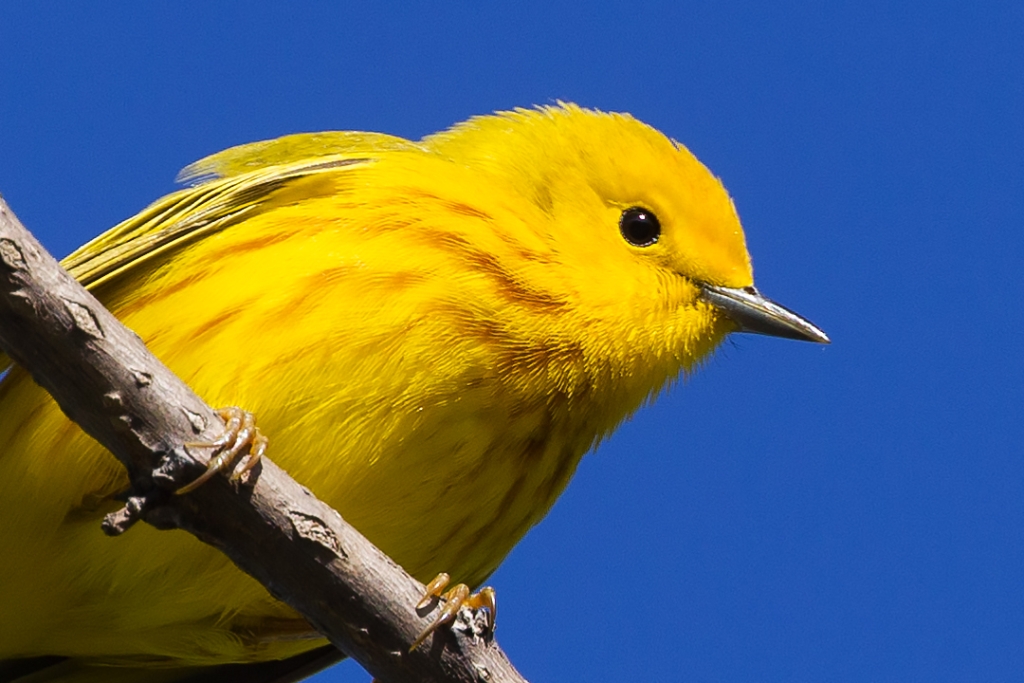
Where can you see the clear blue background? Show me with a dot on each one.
(790, 513)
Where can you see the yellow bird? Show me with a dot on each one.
(431, 333)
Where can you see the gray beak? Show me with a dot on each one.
(759, 315)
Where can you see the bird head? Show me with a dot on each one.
(638, 223)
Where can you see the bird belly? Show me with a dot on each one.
(444, 487)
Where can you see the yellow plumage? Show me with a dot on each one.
(432, 334)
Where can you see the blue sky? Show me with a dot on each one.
(791, 512)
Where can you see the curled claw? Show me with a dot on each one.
(455, 599)
(240, 434)
(432, 591)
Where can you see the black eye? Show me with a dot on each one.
(639, 226)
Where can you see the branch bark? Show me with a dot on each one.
(104, 378)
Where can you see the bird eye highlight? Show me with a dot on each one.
(639, 226)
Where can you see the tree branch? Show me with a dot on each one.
(105, 379)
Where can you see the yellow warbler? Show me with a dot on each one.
(432, 334)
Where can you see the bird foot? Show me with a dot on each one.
(240, 435)
(456, 598)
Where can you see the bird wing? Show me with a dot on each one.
(69, 670)
(228, 187)
(189, 215)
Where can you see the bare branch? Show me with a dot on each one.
(105, 379)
